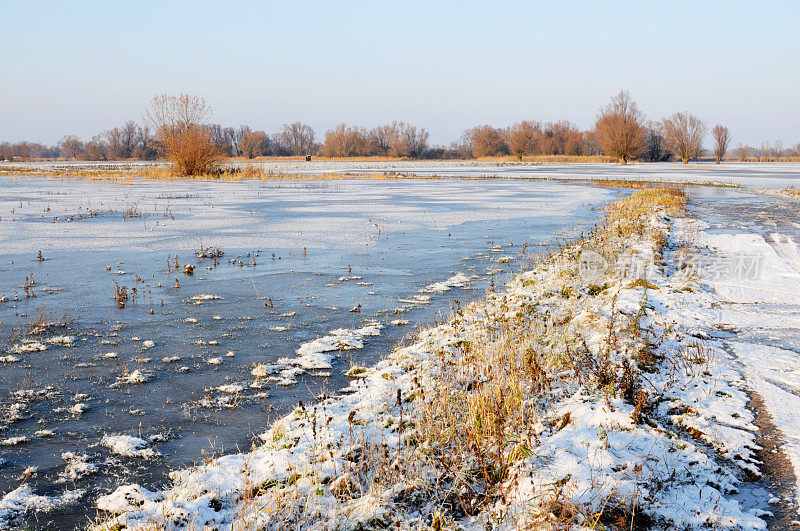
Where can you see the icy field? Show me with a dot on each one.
(753, 175)
(94, 395)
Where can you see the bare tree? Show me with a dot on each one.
(121, 141)
(182, 133)
(96, 148)
(772, 149)
(523, 138)
(486, 141)
(72, 147)
(722, 141)
(683, 135)
(654, 149)
(619, 129)
(406, 140)
(146, 148)
(742, 152)
(344, 141)
(381, 137)
(254, 144)
(298, 138)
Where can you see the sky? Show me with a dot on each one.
(81, 67)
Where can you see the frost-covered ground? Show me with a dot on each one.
(595, 389)
(763, 175)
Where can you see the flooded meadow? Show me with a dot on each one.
(147, 326)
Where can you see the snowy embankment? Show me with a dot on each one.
(574, 397)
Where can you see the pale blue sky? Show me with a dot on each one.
(81, 67)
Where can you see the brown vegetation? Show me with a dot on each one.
(184, 138)
(683, 135)
(298, 138)
(620, 130)
(722, 140)
(486, 141)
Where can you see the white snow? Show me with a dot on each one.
(127, 446)
(27, 347)
(78, 466)
(135, 377)
(22, 500)
(459, 280)
(14, 441)
(316, 354)
(61, 340)
(766, 301)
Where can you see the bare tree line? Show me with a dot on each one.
(621, 130)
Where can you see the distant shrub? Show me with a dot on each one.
(184, 138)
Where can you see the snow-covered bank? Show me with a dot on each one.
(573, 397)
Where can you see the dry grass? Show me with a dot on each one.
(793, 192)
(483, 415)
(552, 159)
(159, 173)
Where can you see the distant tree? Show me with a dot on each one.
(722, 140)
(146, 148)
(26, 150)
(590, 146)
(407, 141)
(297, 138)
(742, 152)
(487, 141)
(344, 141)
(444, 153)
(336, 142)
(772, 149)
(683, 135)
(254, 144)
(380, 137)
(96, 148)
(619, 129)
(229, 141)
(72, 147)
(523, 138)
(462, 147)
(560, 138)
(654, 150)
(121, 141)
(182, 133)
